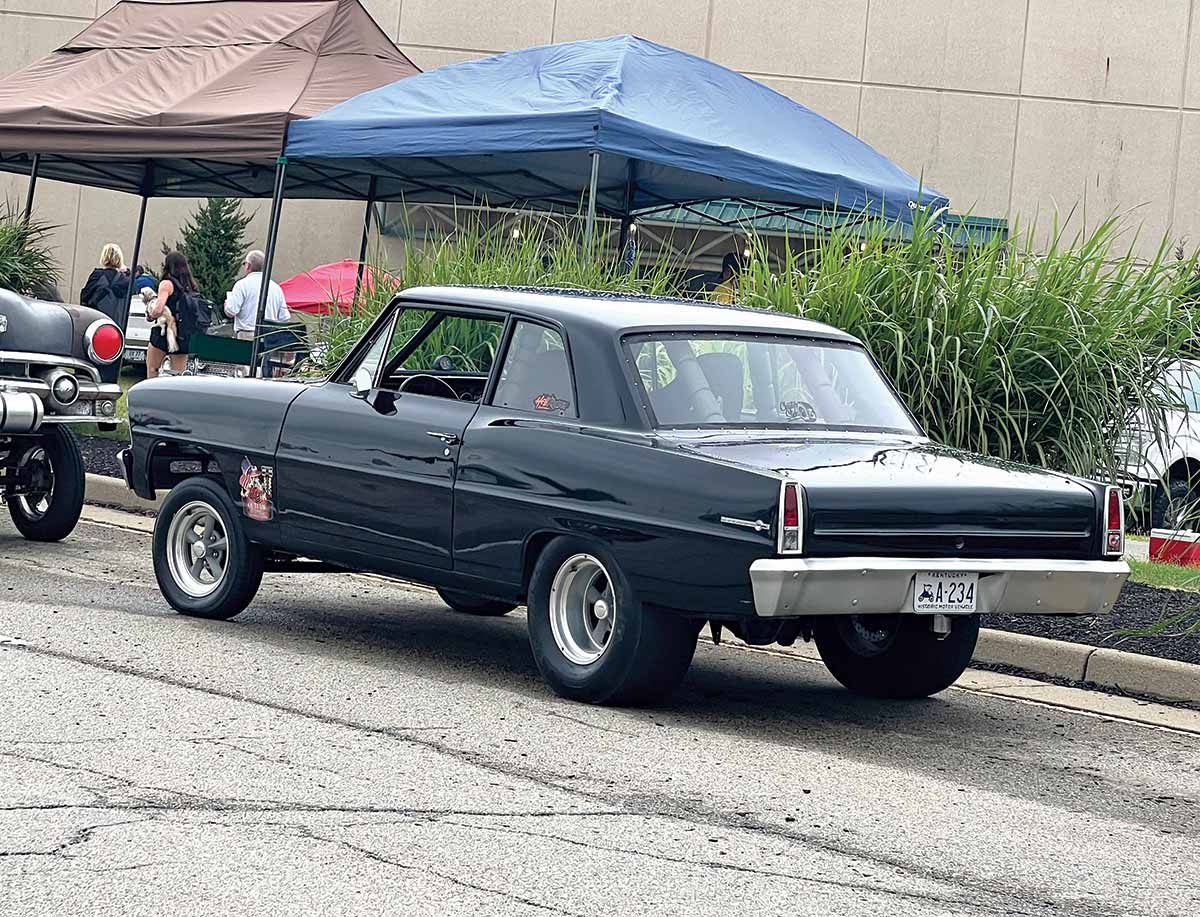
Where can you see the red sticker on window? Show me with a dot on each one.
(548, 401)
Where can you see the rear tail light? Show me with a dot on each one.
(104, 341)
(791, 518)
(1114, 521)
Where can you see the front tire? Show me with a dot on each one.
(592, 638)
(468, 603)
(204, 564)
(51, 514)
(895, 656)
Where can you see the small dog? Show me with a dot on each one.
(165, 321)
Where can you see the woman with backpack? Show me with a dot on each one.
(107, 287)
(178, 294)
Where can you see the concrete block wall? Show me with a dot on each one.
(1012, 107)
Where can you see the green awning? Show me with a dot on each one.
(765, 219)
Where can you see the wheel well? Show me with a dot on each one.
(533, 550)
(1184, 470)
(171, 463)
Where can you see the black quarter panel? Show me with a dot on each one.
(233, 420)
(659, 509)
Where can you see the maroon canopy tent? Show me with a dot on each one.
(194, 99)
(190, 99)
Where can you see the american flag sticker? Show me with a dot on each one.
(256, 491)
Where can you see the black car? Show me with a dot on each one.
(56, 363)
(631, 469)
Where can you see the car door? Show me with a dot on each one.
(366, 462)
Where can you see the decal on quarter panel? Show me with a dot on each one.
(256, 486)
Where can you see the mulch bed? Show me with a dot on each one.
(1138, 609)
(100, 454)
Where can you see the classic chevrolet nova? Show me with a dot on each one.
(630, 469)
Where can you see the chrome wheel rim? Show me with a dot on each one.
(583, 609)
(35, 505)
(197, 549)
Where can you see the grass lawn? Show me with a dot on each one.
(1169, 576)
(122, 432)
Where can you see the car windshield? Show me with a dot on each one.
(702, 380)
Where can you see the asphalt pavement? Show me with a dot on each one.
(350, 746)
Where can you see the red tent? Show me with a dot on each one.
(316, 291)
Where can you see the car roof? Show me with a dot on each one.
(623, 313)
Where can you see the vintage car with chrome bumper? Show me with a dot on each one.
(54, 360)
(632, 470)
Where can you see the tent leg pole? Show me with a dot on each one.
(627, 216)
(268, 263)
(137, 253)
(33, 177)
(589, 231)
(366, 233)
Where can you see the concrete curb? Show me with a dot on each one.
(105, 491)
(1165, 679)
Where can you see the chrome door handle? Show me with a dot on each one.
(449, 439)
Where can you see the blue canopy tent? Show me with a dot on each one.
(633, 125)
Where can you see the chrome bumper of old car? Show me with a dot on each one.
(798, 586)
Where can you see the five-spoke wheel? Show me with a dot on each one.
(197, 549)
(204, 563)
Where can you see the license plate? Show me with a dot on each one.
(134, 356)
(938, 592)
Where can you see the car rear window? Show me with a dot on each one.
(699, 379)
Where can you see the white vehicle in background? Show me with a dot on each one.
(1160, 471)
(137, 329)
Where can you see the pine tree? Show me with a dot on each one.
(214, 242)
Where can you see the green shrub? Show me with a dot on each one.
(1036, 355)
(543, 254)
(26, 265)
(214, 241)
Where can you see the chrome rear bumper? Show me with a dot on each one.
(798, 586)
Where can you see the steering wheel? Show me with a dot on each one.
(404, 385)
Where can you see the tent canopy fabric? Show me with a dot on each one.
(519, 128)
(204, 90)
(318, 290)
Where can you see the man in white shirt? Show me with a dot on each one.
(241, 304)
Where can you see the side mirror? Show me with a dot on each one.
(363, 381)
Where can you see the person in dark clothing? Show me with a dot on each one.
(143, 280)
(173, 290)
(107, 287)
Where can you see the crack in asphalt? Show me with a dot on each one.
(377, 857)
(81, 836)
(684, 812)
(750, 870)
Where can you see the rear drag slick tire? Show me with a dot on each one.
(592, 638)
(895, 656)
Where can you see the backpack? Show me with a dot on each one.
(195, 313)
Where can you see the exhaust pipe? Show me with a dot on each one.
(20, 412)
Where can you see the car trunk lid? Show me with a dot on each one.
(906, 497)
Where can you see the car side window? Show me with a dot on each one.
(443, 354)
(536, 375)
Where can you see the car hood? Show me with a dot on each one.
(909, 487)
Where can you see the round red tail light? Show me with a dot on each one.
(104, 341)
